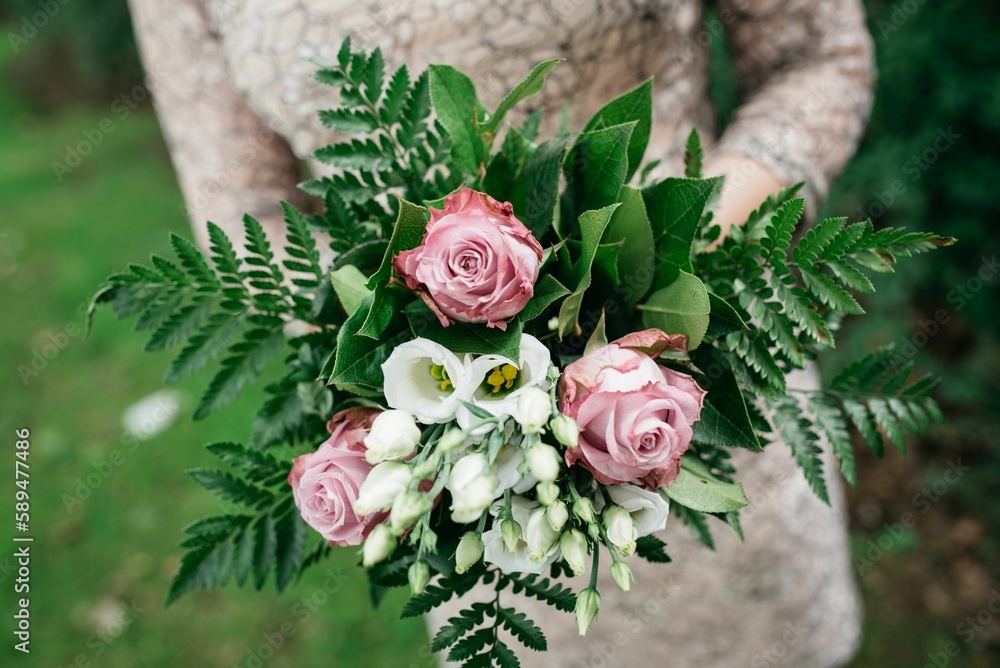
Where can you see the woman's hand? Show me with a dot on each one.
(748, 183)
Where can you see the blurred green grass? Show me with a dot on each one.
(118, 546)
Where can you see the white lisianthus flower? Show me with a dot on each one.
(469, 552)
(394, 435)
(473, 485)
(566, 430)
(407, 508)
(384, 483)
(557, 514)
(533, 409)
(574, 550)
(426, 379)
(378, 546)
(620, 526)
(541, 538)
(517, 561)
(497, 382)
(544, 462)
(508, 464)
(649, 509)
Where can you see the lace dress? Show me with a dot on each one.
(238, 110)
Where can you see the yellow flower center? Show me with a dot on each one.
(439, 373)
(501, 378)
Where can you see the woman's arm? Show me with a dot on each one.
(227, 160)
(806, 72)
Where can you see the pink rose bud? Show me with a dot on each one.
(635, 416)
(477, 262)
(326, 483)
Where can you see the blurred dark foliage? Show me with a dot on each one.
(931, 160)
(70, 50)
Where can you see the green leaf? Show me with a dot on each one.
(725, 420)
(596, 167)
(207, 344)
(693, 156)
(553, 593)
(695, 521)
(548, 290)
(291, 533)
(637, 256)
(407, 234)
(696, 488)
(634, 106)
(357, 361)
(531, 85)
(469, 646)
(652, 549)
(523, 629)
(460, 111)
(441, 592)
(242, 555)
(504, 179)
(680, 308)
(244, 365)
(265, 548)
(797, 431)
(542, 178)
(206, 566)
(592, 227)
(464, 338)
(353, 121)
(504, 655)
(675, 208)
(351, 287)
(458, 626)
(229, 487)
(723, 318)
(830, 421)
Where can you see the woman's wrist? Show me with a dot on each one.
(747, 184)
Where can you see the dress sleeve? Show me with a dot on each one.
(806, 73)
(228, 162)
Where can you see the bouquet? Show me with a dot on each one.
(520, 360)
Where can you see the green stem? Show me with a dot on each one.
(594, 567)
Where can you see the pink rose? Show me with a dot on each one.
(325, 483)
(476, 263)
(635, 416)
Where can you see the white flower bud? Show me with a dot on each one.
(540, 536)
(394, 435)
(407, 508)
(470, 551)
(548, 493)
(583, 508)
(384, 483)
(510, 530)
(418, 575)
(588, 604)
(622, 575)
(533, 409)
(427, 468)
(378, 547)
(620, 527)
(452, 440)
(544, 462)
(473, 486)
(566, 430)
(574, 550)
(557, 514)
